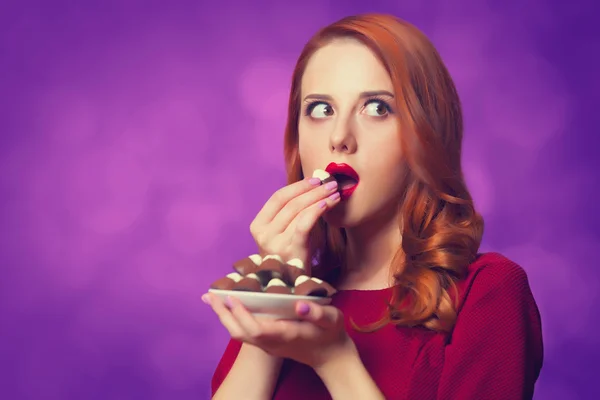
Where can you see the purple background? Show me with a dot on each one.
(139, 138)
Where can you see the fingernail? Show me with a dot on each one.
(315, 181)
(303, 309)
(228, 302)
(331, 185)
(322, 204)
(205, 299)
(334, 196)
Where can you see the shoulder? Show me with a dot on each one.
(493, 275)
(494, 269)
(496, 295)
(498, 324)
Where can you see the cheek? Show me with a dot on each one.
(312, 144)
(385, 163)
(387, 171)
(381, 141)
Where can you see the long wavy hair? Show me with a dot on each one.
(441, 230)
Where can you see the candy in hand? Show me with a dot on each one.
(278, 286)
(324, 176)
(305, 286)
(227, 282)
(249, 283)
(247, 265)
(270, 268)
(292, 270)
(271, 275)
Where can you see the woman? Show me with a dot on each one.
(419, 313)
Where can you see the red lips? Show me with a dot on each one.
(346, 176)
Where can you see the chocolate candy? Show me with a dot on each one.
(247, 265)
(271, 275)
(305, 286)
(249, 283)
(278, 286)
(227, 282)
(270, 268)
(324, 176)
(292, 270)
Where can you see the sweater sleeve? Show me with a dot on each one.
(224, 366)
(496, 349)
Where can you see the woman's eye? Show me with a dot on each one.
(377, 108)
(321, 110)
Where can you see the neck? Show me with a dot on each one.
(370, 249)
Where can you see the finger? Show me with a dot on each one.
(305, 221)
(226, 317)
(323, 316)
(294, 207)
(280, 198)
(282, 331)
(245, 320)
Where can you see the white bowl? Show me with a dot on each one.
(270, 305)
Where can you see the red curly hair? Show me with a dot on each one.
(441, 231)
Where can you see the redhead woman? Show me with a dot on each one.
(419, 313)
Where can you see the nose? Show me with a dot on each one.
(342, 138)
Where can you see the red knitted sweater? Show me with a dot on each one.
(494, 352)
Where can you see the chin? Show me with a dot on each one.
(341, 216)
(351, 214)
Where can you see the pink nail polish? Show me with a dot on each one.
(334, 196)
(331, 185)
(314, 181)
(322, 204)
(205, 299)
(303, 309)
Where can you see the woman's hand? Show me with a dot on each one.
(316, 339)
(284, 223)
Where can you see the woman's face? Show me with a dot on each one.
(348, 116)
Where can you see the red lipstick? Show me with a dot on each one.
(346, 177)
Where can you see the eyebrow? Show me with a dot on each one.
(362, 95)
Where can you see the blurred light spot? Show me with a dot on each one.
(462, 46)
(209, 199)
(167, 135)
(51, 226)
(310, 14)
(177, 358)
(525, 102)
(107, 189)
(160, 270)
(269, 143)
(194, 227)
(479, 183)
(264, 89)
(68, 115)
(563, 293)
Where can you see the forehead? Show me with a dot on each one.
(344, 66)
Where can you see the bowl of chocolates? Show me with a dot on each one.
(270, 287)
